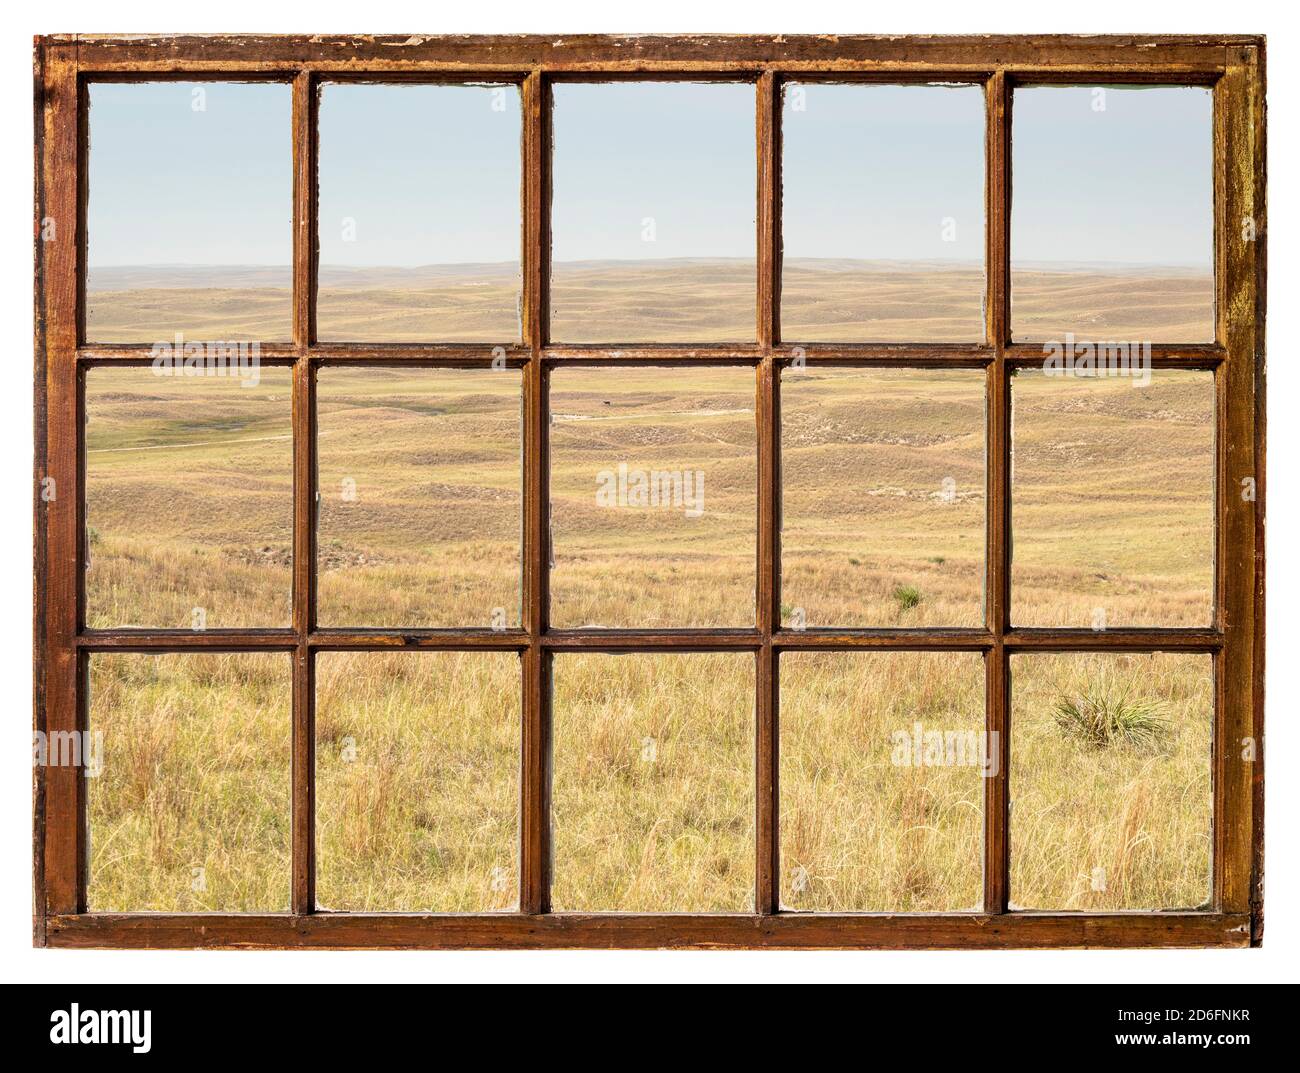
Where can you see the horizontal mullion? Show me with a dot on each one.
(828, 640)
(444, 639)
(143, 354)
(1019, 355)
(971, 355)
(634, 931)
(653, 354)
(1163, 355)
(1154, 638)
(469, 355)
(704, 640)
(186, 640)
(1138, 639)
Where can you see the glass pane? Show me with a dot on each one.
(1112, 499)
(653, 783)
(883, 757)
(654, 497)
(417, 781)
(653, 213)
(882, 214)
(1111, 794)
(1112, 213)
(882, 497)
(420, 497)
(189, 498)
(419, 213)
(189, 810)
(189, 217)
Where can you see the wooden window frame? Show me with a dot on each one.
(1232, 66)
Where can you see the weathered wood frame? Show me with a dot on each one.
(1232, 66)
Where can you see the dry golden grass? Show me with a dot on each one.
(1160, 305)
(830, 301)
(191, 811)
(653, 789)
(417, 781)
(868, 824)
(1121, 826)
(671, 301)
(189, 503)
(1112, 500)
(883, 491)
(630, 566)
(420, 512)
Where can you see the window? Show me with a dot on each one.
(649, 492)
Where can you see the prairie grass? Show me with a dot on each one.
(191, 811)
(868, 822)
(417, 781)
(1120, 826)
(189, 496)
(653, 786)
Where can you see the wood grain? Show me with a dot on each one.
(1232, 65)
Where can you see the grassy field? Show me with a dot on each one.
(669, 301)
(188, 506)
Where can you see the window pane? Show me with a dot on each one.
(1111, 781)
(190, 810)
(189, 499)
(419, 213)
(420, 497)
(190, 212)
(653, 213)
(882, 497)
(882, 214)
(1112, 213)
(654, 497)
(653, 783)
(1113, 500)
(417, 781)
(882, 781)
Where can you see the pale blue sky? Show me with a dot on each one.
(1130, 184)
(172, 185)
(430, 174)
(877, 172)
(680, 154)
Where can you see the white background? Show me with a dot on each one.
(1279, 958)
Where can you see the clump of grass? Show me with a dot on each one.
(1105, 718)
(908, 596)
(938, 560)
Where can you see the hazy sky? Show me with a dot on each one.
(1132, 183)
(173, 185)
(430, 174)
(883, 172)
(672, 161)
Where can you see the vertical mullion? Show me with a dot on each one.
(998, 462)
(535, 894)
(766, 745)
(61, 787)
(304, 494)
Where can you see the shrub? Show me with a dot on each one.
(1102, 719)
(908, 596)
